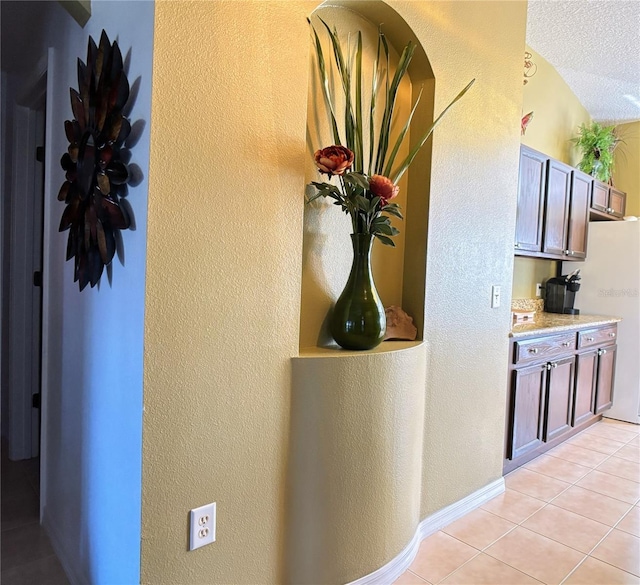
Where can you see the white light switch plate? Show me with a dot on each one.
(496, 293)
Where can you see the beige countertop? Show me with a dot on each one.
(551, 322)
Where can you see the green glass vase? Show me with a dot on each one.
(358, 321)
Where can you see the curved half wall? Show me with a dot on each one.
(355, 460)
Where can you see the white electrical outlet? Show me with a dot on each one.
(539, 289)
(496, 293)
(202, 529)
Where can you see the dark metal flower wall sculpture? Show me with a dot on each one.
(96, 175)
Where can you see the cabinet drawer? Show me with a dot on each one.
(543, 348)
(593, 337)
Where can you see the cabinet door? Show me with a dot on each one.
(579, 214)
(605, 376)
(600, 196)
(559, 399)
(527, 403)
(617, 202)
(531, 184)
(557, 208)
(586, 369)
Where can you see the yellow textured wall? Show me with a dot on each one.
(224, 265)
(557, 115)
(626, 172)
(529, 271)
(471, 225)
(223, 288)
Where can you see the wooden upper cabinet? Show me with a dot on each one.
(578, 215)
(531, 189)
(617, 202)
(557, 208)
(555, 204)
(607, 202)
(600, 196)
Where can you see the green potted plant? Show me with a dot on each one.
(597, 143)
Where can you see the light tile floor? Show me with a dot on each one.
(571, 516)
(26, 554)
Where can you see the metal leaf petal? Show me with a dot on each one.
(118, 173)
(70, 215)
(125, 130)
(69, 130)
(114, 214)
(64, 190)
(102, 242)
(77, 107)
(104, 184)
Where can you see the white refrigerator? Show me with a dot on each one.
(610, 285)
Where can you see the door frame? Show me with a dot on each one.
(20, 326)
(21, 319)
(47, 267)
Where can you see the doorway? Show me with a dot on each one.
(22, 278)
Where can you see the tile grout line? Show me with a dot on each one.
(547, 503)
(482, 551)
(580, 479)
(598, 544)
(612, 528)
(419, 577)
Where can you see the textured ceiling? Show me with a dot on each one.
(595, 47)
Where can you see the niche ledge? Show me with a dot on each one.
(337, 352)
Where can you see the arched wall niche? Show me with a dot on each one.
(399, 272)
(357, 418)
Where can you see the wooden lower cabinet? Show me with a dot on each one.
(605, 377)
(583, 397)
(527, 403)
(559, 385)
(559, 398)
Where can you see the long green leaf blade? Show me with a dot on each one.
(359, 167)
(407, 161)
(385, 128)
(394, 152)
(372, 109)
(345, 76)
(325, 85)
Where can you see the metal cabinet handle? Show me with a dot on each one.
(516, 245)
(533, 350)
(612, 334)
(566, 344)
(547, 366)
(602, 351)
(554, 365)
(589, 338)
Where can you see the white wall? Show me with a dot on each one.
(91, 496)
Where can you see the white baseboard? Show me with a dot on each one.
(431, 524)
(75, 576)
